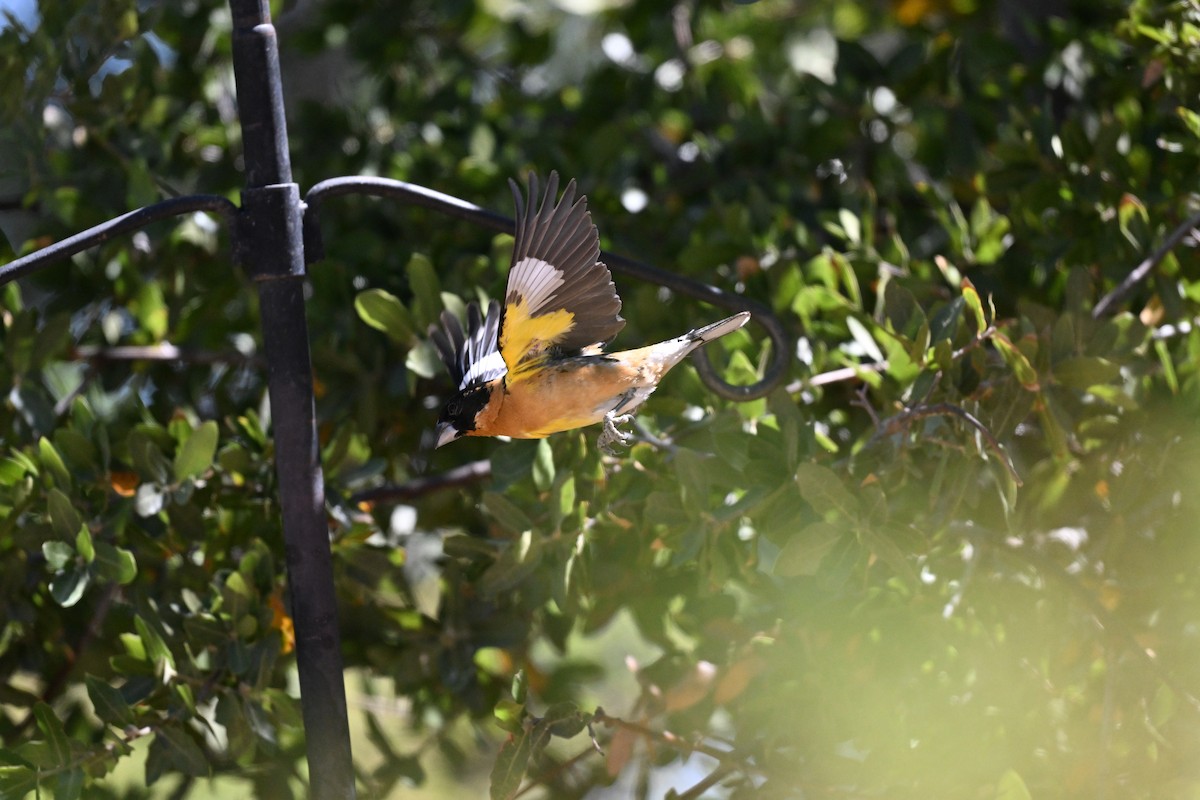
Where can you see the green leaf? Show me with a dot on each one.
(115, 564)
(824, 491)
(83, 543)
(151, 310)
(506, 512)
(543, 466)
(881, 545)
(384, 312)
(1016, 360)
(11, 471)
(1012, 787)
(53, 462)
(197, 453)
(56, 736)
(1083, 372)
(67, 588)
(944, 323)
(422, 359)
(509, 714)
(58, 554)
(518, 561)
(16, 781)
(509, 769)
(565, 500)
(134, 646)
(802, 553)
(76, 449)
(1191, 119)
(693, 473)
(1132, 219)
(69, 785)
(427, 297)
(184, 694)
(63, 517)
(512, 463)
(156, 648)
(863, 338)
(51, 340)
(146, 452)
(183, 752)
(975, 304)
(564, 719)
(110, 706)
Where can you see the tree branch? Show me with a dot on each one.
(465, 475)
(1142, 270)
(726, 758)
(163, 351)
(906, 417)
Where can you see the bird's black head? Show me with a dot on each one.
(458, 417)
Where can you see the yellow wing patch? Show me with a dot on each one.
(526, 337)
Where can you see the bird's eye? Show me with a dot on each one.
(454, 407)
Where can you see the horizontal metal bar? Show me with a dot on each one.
(126, 223)
(411, 194)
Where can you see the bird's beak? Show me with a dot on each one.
(445, 433)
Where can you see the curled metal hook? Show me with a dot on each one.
(411, 194)
(126, 223)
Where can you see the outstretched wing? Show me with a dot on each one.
(560, 297)
(472, 358)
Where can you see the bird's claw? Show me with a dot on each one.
(612, 435)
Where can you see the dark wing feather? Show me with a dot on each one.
(556, 267)
(471, 358)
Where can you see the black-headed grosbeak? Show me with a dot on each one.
(537, 366)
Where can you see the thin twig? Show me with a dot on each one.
(725, 757)
(862, 399)
(163, 351)
(710, 780)
(465, 475)
(1142, 270)
(905, 418)
(835, 376)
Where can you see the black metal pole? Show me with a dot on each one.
(271, 248)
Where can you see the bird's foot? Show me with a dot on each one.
(612, 435)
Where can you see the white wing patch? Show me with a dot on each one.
(492, 365)
(535, 280)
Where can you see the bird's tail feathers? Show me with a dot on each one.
(719, 329)
(669, 353)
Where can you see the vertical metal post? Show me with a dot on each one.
(270, 246)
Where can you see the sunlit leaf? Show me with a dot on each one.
(116, 564)
(1012, 787)
(196, 455)
(975, 304)
(68, 587)
(1024, 371)
(383, 311)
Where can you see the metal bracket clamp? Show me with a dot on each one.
(269, 222)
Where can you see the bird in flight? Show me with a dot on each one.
(536, 365)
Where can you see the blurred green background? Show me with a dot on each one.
(952, 555)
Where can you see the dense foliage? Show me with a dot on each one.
(953, 555)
